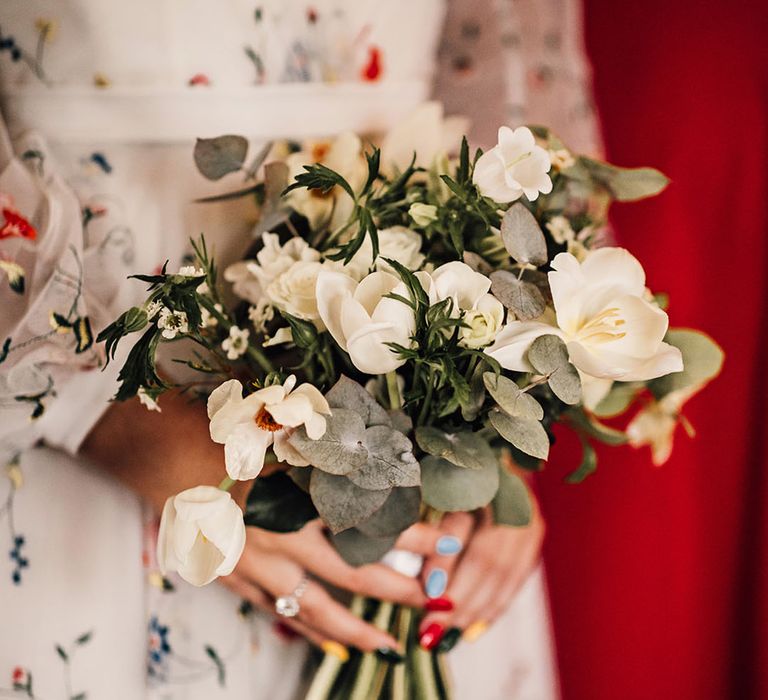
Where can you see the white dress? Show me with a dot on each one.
(102, 101)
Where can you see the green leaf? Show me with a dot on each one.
(512, 503)
(217, 157)
(524, 298)
(625, 184)
(523, 237)
(341, 503)
(319, 177)
(277, 504)
(357, 548)
(464, 449)
(62, 654)
(390, 460)
(526, 434)
(446, 487)
(220, 668)
(347, 393)
(587, 466)
(511, 398)
(84, 638)
(341, 449)
(399, 512)
(702, 361)
(549, 356)
(595, 429)
(618, 399)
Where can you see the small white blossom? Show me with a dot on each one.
(261, 314)
(191, 271)
(208, 320)
(561, 159)
(237, 343)
(422, 214)
(153, 308)
(146, 400)
(561, 229)
(172, 323)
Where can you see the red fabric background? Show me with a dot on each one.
(658, 576)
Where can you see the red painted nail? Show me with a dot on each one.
(431, 636)
(442, 604)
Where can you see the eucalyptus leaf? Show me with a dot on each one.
(594, 428)
(549, 356)
(390, 460)
(471, 407)
(342, 504)
(702, 361)
(446, 487)
(400, 420)
(625, 184)
(220, 156)
(524, 298)
(399, 512)
(341, 449)
(526, 434)
(477, 262)
(588, 464)
(464, 449)
(274, 210)
(357, 549)
(523, 237)
(277, 504)
(301, 476)
(511, 398)
(618, 399)
(348, 394)
(512, 503)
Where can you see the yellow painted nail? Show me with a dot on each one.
(475, 631)
(335, 649)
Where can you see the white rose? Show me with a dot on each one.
(396, 243)
(294, 290)
(202, 535)
(484, 322)
(362, 319)
(516, 166)
(610, 330)
(248, 427)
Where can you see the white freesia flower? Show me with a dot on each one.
(422, 214)
(610, 330)
(343, 155)
(147, 401)
(516, 166)
(396, 243)
(294, 290)
(248, 426)
(362, 319)
(172, 323)
(237, 342)
(202, 535)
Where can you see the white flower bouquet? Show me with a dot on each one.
(413, 321)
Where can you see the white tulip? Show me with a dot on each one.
(362, 319)
(610, 329)
(516, 166)
(248, 427)
(202, 535)
(396, 243)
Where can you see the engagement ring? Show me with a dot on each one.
(288, 605)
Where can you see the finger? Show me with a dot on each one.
(455, 529)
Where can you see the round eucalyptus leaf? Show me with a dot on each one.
(390, 460)
(342, 504)
(220, 156)
(277, 504)
(341, 449)
(347, 393)
(524, 298)
(357, 548)
(464, 449)
(523, 237)
(702, 361)
(399, 512)
(512, 503)
(526, 434)
(549, 356)
(511, 398)
(446, 487)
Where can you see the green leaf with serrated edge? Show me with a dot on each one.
(523, 237)
(399, 512)
(549, 356)
(357, 549)
(341, 449)
(512, 502)
(625, 184)
(449, 488)
(524, 298)
(526, 434)
(341, 503)
(587, 466)
(595, 429)
(390, 460)
(347, 393)
(702, 361)
(217, 157)
(618, 399)
(277, 504)
(464, 449)
(511, 398)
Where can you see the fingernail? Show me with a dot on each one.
(431, 636)
(448, 545)
(335, 649)
(475, 631)
(437, 581)
(441, 604)
(390, 655)
(449, 640)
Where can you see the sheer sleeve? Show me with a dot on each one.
(58, 287)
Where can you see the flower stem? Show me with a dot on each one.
(393, 390)
(226, 483)
(367, 673)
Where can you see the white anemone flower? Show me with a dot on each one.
(202, 535)
(516, 166)
(248, 427)
(610, 329)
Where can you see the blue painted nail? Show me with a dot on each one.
(448, 545)
(437, 582)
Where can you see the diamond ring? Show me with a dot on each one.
(288, 605)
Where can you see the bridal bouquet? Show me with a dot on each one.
(411, 322)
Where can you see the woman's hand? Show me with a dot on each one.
(274, 564)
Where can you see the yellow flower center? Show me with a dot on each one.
(603, 327)
(265, 421)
